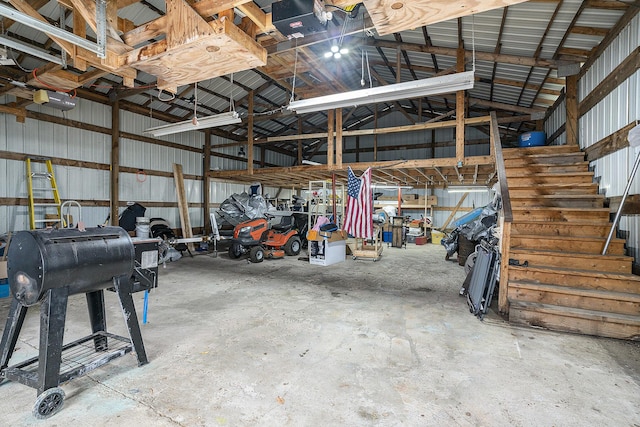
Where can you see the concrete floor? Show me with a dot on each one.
(284, 343)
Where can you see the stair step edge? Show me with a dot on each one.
(520, 250)
(594, 293)
(585, 273)
(577, 312)
(557, 237)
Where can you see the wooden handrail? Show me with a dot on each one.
(502, 174)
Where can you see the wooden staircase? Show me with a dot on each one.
(557, 235)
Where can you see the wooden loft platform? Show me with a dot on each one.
(432, 173)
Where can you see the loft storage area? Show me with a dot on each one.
(319, 212)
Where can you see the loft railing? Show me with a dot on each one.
(507, 214)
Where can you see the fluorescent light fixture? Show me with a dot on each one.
(31, 50)
(393, 92)
(310, 162)
(221, 119)
(391, 187)
(467, 189)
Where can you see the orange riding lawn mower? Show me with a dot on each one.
(261, 240)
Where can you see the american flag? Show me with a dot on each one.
(358, 217)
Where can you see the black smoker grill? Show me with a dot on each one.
(45, 267)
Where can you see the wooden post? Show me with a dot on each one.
(183, 206)
(503, 301)
(339, 138)
(206, 181)
(460, 108)
(250, 135)
(572, 110)
(114, 173)
(398, 66)
(299, 141)
(454, 211)
(330, 138)
(375, 135)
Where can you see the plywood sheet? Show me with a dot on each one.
(391, 16)
(195, 50)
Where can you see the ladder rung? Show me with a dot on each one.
(43, 189)
(40, 175)
(49, 220)
(46, 204)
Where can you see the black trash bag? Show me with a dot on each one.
(128, 216)
(450, 242)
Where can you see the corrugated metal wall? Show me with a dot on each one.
(39, 138)
(618, 109)
(556, 120)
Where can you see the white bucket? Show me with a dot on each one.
(142, 227)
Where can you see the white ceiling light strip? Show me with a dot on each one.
(393, 92)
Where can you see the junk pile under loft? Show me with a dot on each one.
(477, 231)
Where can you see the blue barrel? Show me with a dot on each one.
(532, 139)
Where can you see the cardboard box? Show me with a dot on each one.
(3, 270)
(331, 236)
(327, 252)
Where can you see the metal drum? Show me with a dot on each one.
(82, 261)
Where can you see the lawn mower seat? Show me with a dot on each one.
(285, 224)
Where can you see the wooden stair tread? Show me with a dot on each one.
(555, 174)
(562, 238)
(564, 254)
(552, 149)
(557, 223)
(558, 196)
(556, 185)
(581, 273)
(577, 312)
(556, 208)
(591, 293)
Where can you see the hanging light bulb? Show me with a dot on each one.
(335, 48)
(337, 55)
(328, 54)
(344, 51)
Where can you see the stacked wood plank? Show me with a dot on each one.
(558, 233)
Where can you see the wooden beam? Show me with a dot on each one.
(339, 138)
(572, 110)
(206, 181)
(330, 138)
(610, 144)
(255, 14)
(207, 8)
(250, 134)
(114, 173)
(460, 109)
(454, 211)
(183, 206)
(481, 56)
(621, 73)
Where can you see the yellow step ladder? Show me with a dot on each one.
(46, 189)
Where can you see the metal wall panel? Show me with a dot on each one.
(615, 111)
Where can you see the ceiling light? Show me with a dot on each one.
(337, 55)
(393, 92)
(391, 187)
(328, 54)
(344, 51)
(31, 50)
(467, 189)
(221, 119)
(335, 48)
